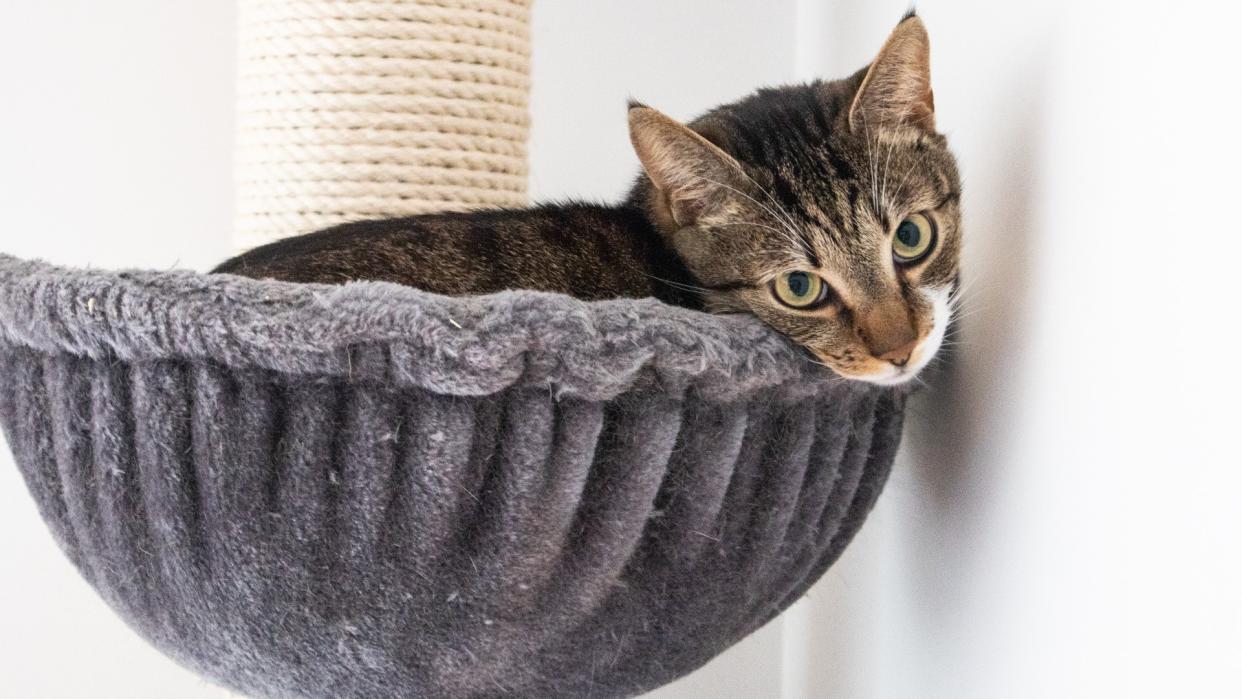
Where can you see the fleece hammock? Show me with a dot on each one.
(371, 491)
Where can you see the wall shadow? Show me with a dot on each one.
(952, 424)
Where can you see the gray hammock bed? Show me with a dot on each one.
(371, 491)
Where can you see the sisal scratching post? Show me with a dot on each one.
(351, 110)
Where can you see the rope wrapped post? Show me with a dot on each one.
(350, 110)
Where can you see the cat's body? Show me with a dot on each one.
(830, 211)
(590, 251)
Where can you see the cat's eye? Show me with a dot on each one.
(913, 239)
(801, 290)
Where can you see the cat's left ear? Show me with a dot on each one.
(692, 174)
(897, 88)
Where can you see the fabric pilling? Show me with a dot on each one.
(369, 491)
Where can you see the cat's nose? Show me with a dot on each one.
(899, 356)
(886, 330)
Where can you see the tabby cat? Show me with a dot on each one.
(829, 210)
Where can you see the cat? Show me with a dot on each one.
(829, 210)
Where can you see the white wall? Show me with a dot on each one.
(1064, 518)
(115, 138)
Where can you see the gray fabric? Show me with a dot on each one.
(369, 491)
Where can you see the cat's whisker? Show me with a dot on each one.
(679, 285)
(750, 223)
(788, 218)
(955, 347)
(962, 318)
(874, 167)
(973, 295)
(817, 362)
(881, 175)
(970, 301)
(967, 299)
(914, 166)
(676, 285)
(887, 159)
(791, 235)
(962, 287)
(964, 311)
(867, 141)
(959, 317)
(967, 296)
(969, 283)
(782, 216)
(955, 329)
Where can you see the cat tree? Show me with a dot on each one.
(371, 491)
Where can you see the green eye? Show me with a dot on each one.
(913, 239)
(800, 289)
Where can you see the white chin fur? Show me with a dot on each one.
(926, 350)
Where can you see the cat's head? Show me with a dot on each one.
(828, 210)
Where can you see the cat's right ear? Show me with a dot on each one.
(693, 175)
(897, 89)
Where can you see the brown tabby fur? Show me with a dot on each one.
(812, 178)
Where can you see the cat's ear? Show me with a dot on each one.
(897, 88)
(692, 174)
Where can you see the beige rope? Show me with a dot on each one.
(354, 109)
